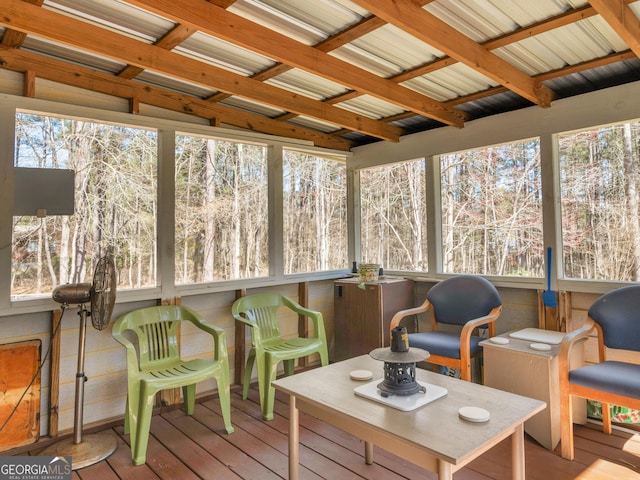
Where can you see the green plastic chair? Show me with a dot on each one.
(154, 364)
(268, 348)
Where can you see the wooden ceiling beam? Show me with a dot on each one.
(622, 19)
(225, 25)
(169, 41)
(546, 25)
(13, 38)
(88, 37)
(85, 78)
(413, 19)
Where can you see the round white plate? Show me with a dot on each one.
(499, 340)
(361, 375)
(474, 414)
(542, 347)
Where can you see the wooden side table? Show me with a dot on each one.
(515, 367)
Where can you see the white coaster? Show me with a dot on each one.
(361, 375)
(541, 347)
(474, 414)
(405, 403)
(499, 340)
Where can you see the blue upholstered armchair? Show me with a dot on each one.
(615, 318)
(466, 302)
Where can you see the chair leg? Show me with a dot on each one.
(127, 426)
(266, 374)
(324, 355)
(224, 394)
(189, 398)
(566, 425)
(145, 409)
(289, 367)
(465, 372)
(606, 418)
(247, 374)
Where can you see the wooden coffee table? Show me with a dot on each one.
(432, 436)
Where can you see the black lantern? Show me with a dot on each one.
(399, 365)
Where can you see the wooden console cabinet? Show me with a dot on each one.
(362, 316)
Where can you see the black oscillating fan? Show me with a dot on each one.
(100, 295)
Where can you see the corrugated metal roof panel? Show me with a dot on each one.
(253, 107)
(326, 16)
(393, 49)
(309, 85)
(366, 61)
(371, 107)
(115, 15)
(223, 54)
(77, 56)
(451, 82)
(313, 123)
(385, 51)
(164, 81)
(279, 20)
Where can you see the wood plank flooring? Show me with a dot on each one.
(197, 447)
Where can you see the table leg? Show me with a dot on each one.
(368, 453)
(294, 440)
(444, 470)
(517, 453)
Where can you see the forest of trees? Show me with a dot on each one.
(492, 211)
(115, 205)
(491, 217)
(222, 228)
(394, 216)
(600, 192)
(491, 214)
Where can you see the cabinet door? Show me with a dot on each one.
(357, 320)
(362, 315)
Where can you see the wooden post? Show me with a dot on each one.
(239, 351)
(54, 374)
(303, 324)
(564, 305)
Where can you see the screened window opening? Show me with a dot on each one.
(492, 211)
(600, 198)
(394, 216)
(115, 205)
(221, 222)
(314, 213)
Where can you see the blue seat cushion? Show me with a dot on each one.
(444, 344)
(613, 377)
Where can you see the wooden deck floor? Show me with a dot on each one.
(197, 447)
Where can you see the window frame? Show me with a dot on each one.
(166, 129)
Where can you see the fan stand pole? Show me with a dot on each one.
(95, 447)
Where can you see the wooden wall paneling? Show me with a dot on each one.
(303, 323)
(564, 310)
(239, 351)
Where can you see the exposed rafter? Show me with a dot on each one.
(622, 19)
(58, 71)
(412, 18)
(87, 28)
(222, 24)
(29, 19)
